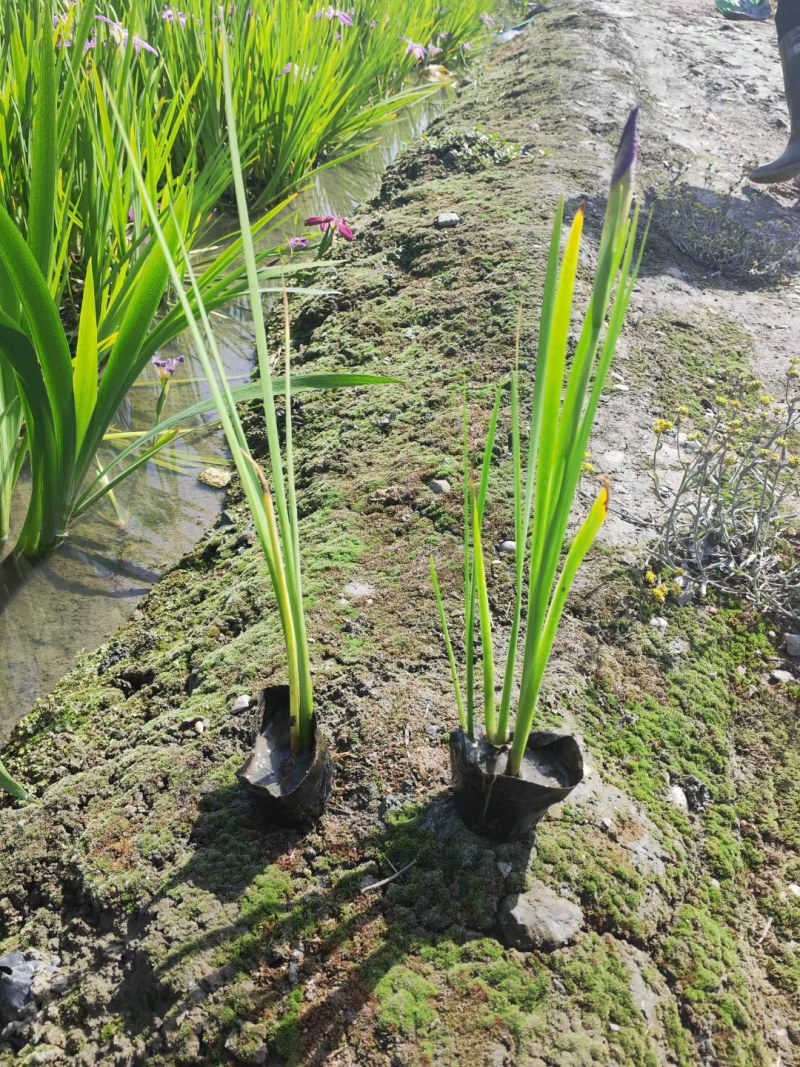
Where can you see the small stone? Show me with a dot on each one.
(619, 387)
(677, 798)
(356, 590)
(538, 919)
(294, 973)
(446, 220)
(658, 622)
(200, 727)
(614, 1028)
(216, 477)
(782, 676)
(439, 486)
(504, 868)
(432, 731)
(240, 704)
(792, 642)
(794, 889)
(741, 670)
(508, 548)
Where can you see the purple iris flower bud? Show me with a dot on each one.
(330, 13)
(332, 222)
(487, 20)
(418, 51)
(295, 244)
(628, 151)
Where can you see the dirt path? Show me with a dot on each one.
(179, 929)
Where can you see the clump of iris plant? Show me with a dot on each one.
(564, 404)
(270, 492)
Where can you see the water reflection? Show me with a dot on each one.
(86, 589)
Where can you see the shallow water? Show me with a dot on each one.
(86, 589)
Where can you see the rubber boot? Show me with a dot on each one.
(787, 166)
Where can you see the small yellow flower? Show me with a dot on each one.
(588, 468)
(662, 426)
(650, 578)
(766, 400)
(682, 412)
(660, 593)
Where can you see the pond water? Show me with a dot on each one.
(86, 589)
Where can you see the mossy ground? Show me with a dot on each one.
(190, 932)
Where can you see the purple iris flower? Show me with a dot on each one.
(418, 51)
(487, 20)
(169, 15)
(295, 244)
(120, 35)
(167, 367)
(330, 13)
(331, 222)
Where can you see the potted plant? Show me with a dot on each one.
(504, 781)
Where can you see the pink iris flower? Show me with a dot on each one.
(330, 13)
(331, 222)
(418, 51)
(120, 35)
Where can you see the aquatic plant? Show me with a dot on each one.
(563, 409)
(272, 500)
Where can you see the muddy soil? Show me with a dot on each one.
(174, 927)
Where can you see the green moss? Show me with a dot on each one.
(597, 979)
(705, 964)
(405, 1001)
(695, 357)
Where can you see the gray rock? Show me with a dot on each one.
(696, 792)
(439, 486)
(658, 622)
(792, 642)
(678, 799)
(356, 590)
(16, 979)
(504, 868)
(782, 676)
(432, 730)
(447, 220)
(508, 548)
(538, 919)
(240, 704)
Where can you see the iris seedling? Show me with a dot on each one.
(545, 480)
(271, 495)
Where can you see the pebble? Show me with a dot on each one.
(793, 645)
(240, 704)
(508, 548)
(356, 590)
(677, 798)
(658, 622)
(782, 676)
(794, 889)
(447, 220)
(432, 731)
(504, 868)
(216, 477)
(439, 486)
